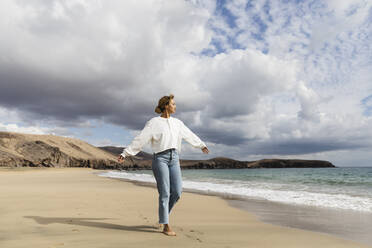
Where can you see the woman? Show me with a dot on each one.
(165, 134)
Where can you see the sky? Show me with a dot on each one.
(253, 79)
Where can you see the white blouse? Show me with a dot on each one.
(164, 133)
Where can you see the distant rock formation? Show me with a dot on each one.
(143, 161)
(18, 150)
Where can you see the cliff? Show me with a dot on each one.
(17, 150)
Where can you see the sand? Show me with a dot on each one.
(73, 207)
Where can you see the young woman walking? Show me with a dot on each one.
(165, 134)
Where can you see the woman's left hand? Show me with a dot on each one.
(205, 150)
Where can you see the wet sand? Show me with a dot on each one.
(351, 225)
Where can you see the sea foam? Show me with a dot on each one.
(275, 192)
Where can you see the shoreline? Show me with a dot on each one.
(328, 221)
(74, 207)
(346, 224)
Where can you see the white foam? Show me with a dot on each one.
(267, 191)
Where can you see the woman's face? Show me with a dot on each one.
(171, 107)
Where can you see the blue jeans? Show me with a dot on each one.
(167, 172)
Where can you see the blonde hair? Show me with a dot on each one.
(162, 103)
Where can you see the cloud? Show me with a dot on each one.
(32, 129)
(238, 79)
(59, 61)
(16, 128)
(250, 77)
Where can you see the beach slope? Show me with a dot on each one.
(73, 207)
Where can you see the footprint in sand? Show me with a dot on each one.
(198, 232)
(144, 217)
(194, 238)
(194, 234)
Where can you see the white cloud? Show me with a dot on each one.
(287, 79)
(18, 129)
(237, 80)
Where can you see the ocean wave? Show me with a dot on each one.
(276, 192)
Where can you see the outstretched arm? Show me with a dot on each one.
(192, 138)
(138, 142)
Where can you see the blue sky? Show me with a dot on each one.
(253, 79)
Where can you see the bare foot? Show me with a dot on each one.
(168, 231)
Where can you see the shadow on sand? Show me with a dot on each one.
(91, 222)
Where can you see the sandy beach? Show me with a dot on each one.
(73, 207)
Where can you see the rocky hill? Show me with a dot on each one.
(17, 150)
(143, 161)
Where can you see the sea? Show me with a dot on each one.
(336, 201)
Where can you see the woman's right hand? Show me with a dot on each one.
(205, 150)
(120, 159)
